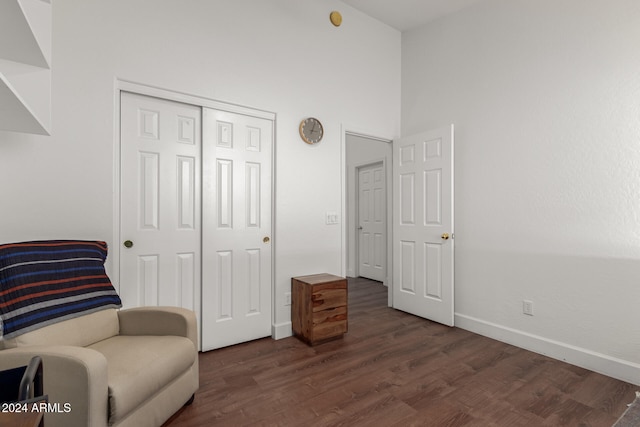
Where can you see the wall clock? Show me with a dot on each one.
(311, 130)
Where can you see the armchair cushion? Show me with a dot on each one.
(139, 366)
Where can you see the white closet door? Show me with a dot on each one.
(237, 247)
(160, 202)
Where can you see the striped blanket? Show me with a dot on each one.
(46, 282)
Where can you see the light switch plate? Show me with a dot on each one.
(332, 218)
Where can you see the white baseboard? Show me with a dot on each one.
(593, 361)
(281, 330)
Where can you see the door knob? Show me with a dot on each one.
(445, 236)
(266, 239)
(128, 243)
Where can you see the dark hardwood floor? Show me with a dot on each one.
(395, 369)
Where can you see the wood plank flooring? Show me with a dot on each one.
(395, 369)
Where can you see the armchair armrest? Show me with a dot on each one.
(75, 380)
(159, 321)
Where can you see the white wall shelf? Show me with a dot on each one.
(25, 58)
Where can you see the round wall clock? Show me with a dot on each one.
(311, 130)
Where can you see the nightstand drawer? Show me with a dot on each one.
(328, 298)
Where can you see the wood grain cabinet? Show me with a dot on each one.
(319, 307)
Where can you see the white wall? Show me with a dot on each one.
(545, 96)
(282, 56)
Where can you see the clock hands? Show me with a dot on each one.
(313, 131)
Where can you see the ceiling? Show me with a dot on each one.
(405, 15)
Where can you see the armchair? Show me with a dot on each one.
(102, 366)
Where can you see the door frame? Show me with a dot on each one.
(347, 209)
(356, 209)
(121, 85)
(350, 129)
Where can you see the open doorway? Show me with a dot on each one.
(368, 229)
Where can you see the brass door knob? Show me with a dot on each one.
(266, 240)
(445, 236)
(128, 243)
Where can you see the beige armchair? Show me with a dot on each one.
(102, 366)
(133, 367)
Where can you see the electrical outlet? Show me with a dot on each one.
(527, 307)
(287, 298)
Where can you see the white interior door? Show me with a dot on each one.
(236, 250)
(423, 225)
(159, 202)
(371, 222)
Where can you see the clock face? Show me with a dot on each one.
(311, 130)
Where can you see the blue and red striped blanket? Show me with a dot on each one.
(45, 282)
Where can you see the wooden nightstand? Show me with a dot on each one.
(319, 307)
